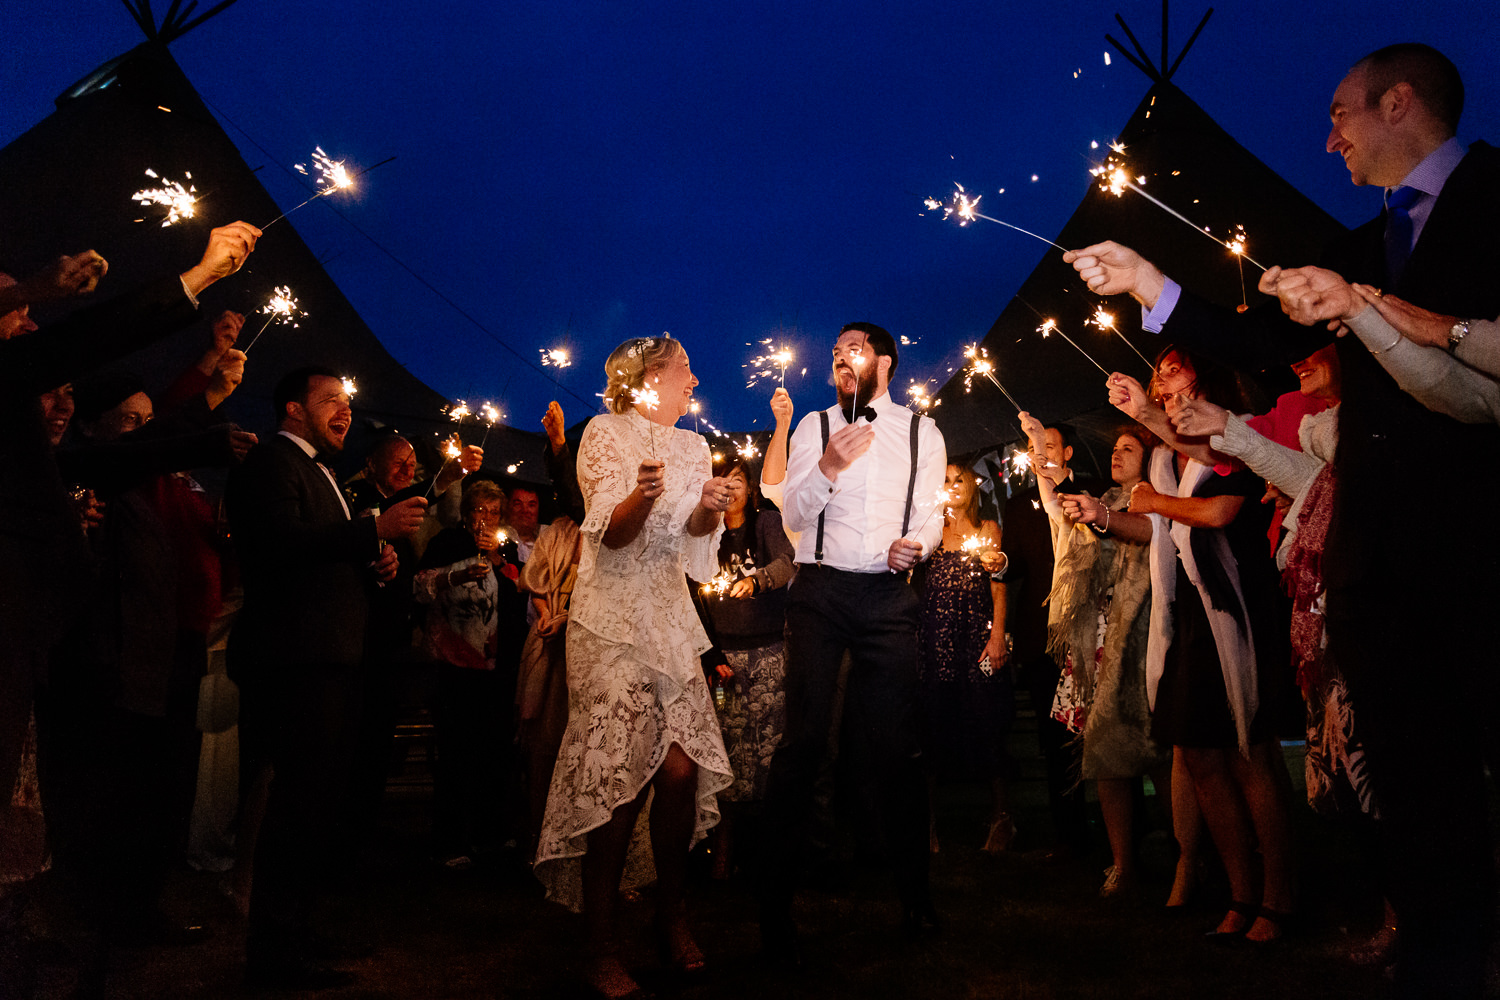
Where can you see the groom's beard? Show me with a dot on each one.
(867, 386)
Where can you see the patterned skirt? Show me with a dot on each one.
(618, 735)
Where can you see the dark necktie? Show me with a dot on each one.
(1398, 232)
(868, 412)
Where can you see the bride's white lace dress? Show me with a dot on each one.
(635, 685)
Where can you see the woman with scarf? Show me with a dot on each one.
(1215, 649)
(1098, 624)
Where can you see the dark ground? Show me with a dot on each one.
(1015, 927)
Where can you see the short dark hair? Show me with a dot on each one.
(293, 388)
(1432, 75)
(1066, 432)
(880, 341)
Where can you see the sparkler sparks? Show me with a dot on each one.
(1114, 178)
(459, 412)
(719, 585)
(1050, 326)
(966, 209)
(920, 397)
(331, 176)
(281, 308)
(348, 386)
(748, 450)
(650, 399)
(180, 202)
(1105, 320)
(980, 364)
(555, 357)
(491, 415)
(773, 363)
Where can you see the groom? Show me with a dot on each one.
(861, 478)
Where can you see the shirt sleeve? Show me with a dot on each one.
(1430, 375)
(1156, 317)
(805, 489)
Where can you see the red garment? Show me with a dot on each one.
(1280, 424)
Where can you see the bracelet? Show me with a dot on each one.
(1106, 519)
(1387, 347)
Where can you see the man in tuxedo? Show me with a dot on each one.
(1402, 591)
(295, 652)
(861, 486)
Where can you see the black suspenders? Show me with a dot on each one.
(911, 481)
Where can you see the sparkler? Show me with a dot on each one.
(1114, 178)
(180, 201)
(748, 450)
(1050, 326)
(331, 174)
(773, 362)
(694, 409)
(348, 386)
(919, 397)
(966, 210)
(857, 360)
(940, 501)
(650, 399)
(980, 364)
(555, 357)
(1105, 320)
(280, 308)
(492, 416)
(451, 450)
(719, 585)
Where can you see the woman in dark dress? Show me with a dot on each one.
(1216, 656)
(746, 606)
(967, 693)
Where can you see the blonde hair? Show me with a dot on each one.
(970, 510)
(628, 366)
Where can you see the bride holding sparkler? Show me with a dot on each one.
(640, 713)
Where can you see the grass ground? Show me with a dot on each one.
(1014, 926)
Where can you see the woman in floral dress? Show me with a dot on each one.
(640, 713)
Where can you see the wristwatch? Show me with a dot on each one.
(1457, 333)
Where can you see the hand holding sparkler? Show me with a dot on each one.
(903, 555)
(1143, 498)
(716, 495)
(459, 460)
(649, 478)
(1199, 418)
(228, 373)
(1127, 396)
(228, 247)
(401, 520)
(1312, 295)
(552, 423)
(386, 564)
(1109, 268)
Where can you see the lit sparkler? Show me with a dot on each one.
(459, 412)
(348, 386)
(331, 176)
(919, 396)
(1114, 178)
(748, 450)
(555, 357)
(857, 360)
(180, 202)
(695, 409)
(773, 363)
(980, 364)
(1050, 326)
(1105, 320)
(491, 416)
(650, 399)
(719, 585)
(940, 501)
(452, 449)
(280, 308)
(966, 209)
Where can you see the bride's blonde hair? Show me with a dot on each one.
(628, 366)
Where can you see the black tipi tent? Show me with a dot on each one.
(1189, 162)
(68, 184)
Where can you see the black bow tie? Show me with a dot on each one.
(868, 412)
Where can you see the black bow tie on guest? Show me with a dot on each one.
(868, 412)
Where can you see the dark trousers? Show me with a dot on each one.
(1421, 698)
(471, 782)
(1060, 751)
(872, 616)
(308, 715)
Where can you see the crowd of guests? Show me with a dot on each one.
(666, 644)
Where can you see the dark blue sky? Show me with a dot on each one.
(726, 174)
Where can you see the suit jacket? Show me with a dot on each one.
(305, 565)
(1390, 446)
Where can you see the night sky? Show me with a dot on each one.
(575, 174)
